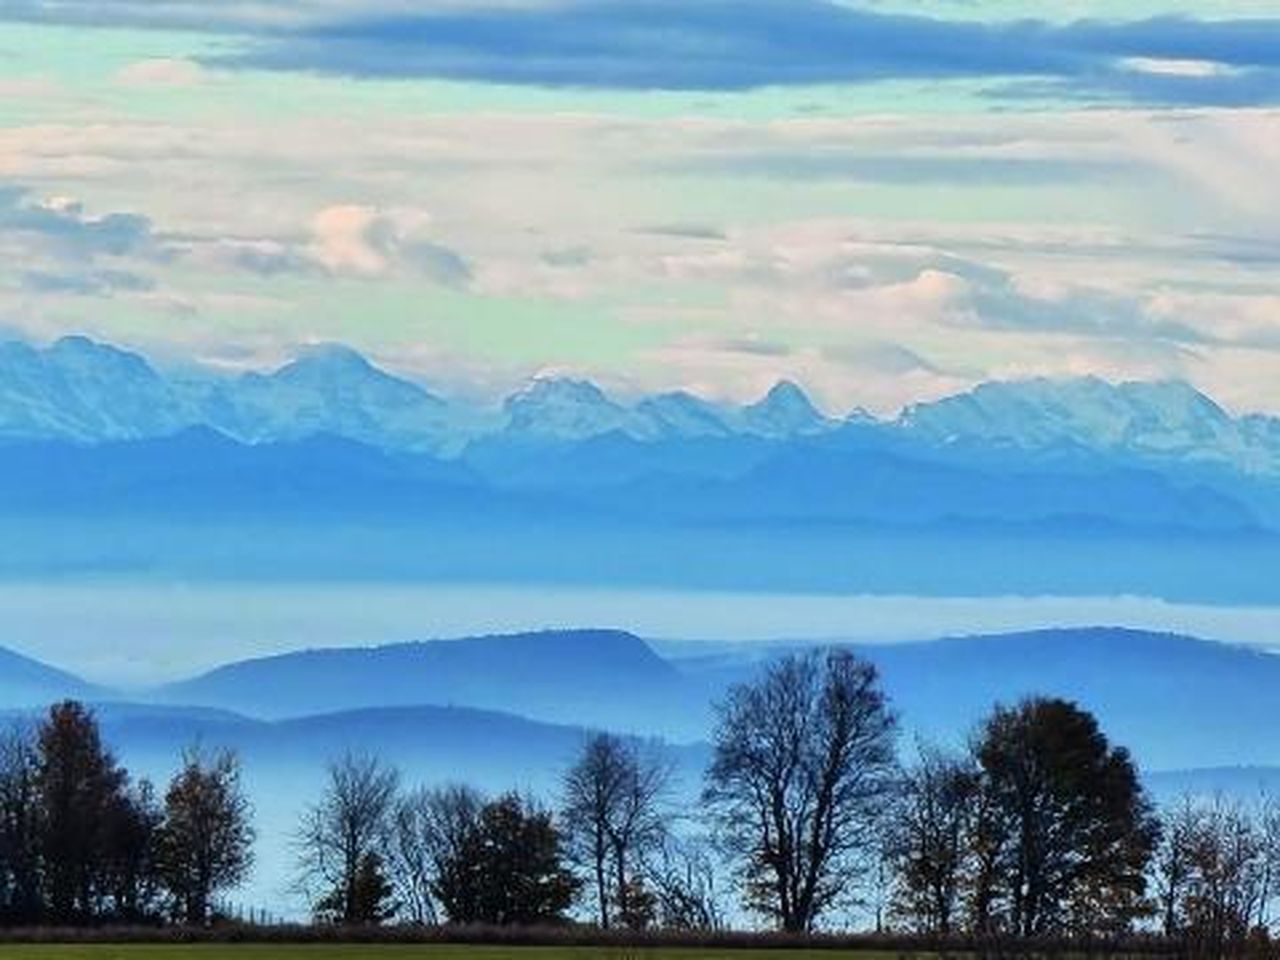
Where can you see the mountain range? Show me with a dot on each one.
(80, 390)
(330, 467)
(87, 392)
(1150, 453)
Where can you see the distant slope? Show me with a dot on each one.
(872, 485)
(28, 683)
(287, 758)
(722, 513)
(430, 743)
(585, 677)
(1175, 701)
(200, 472)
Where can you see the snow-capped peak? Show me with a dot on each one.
(784, 411)
(682, 415)
(1165, 417)
(563, 409)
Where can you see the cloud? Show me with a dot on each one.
(888, 358)
(266, 258)
(1003, 302)
(735, 45)
(836, 163)
(61, 226)
(347, 239)
(162, 72)
(53, 245)
(364, 241)
(685, 231)
(202, 15)
(752, 345)
(86, 283)
(1176, 68)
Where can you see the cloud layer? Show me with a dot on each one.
(734, 45)
(719, 45)
(1035, 207)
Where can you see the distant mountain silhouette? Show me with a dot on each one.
(603, 678)
(1177, 701)
(331, 467)
(872, 484)
(432, 743)
(28, 683)
(199, 471)
(785, 411)
(1174, 700)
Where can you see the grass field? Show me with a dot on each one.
(358, 951)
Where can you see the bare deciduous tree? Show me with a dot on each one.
(1214, 871)
(1173, 863)
(685, 873)
(803, 767)
(612, 814)
(428, 829)
(930, 841)
(349, 823)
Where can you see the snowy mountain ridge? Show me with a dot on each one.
(86, 392)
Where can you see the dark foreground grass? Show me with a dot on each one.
(374, 951)
(239, 942)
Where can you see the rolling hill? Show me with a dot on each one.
(28, 683)
(1176, 701)
(604, 678)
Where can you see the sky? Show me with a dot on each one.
(884, 201)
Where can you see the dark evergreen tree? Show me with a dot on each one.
(79, 784)
(509, 870)
(132, 832)
(1075, 828)
(370, 901)
(21, 901)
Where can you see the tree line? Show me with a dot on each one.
(82, 844)
(1039, 828)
